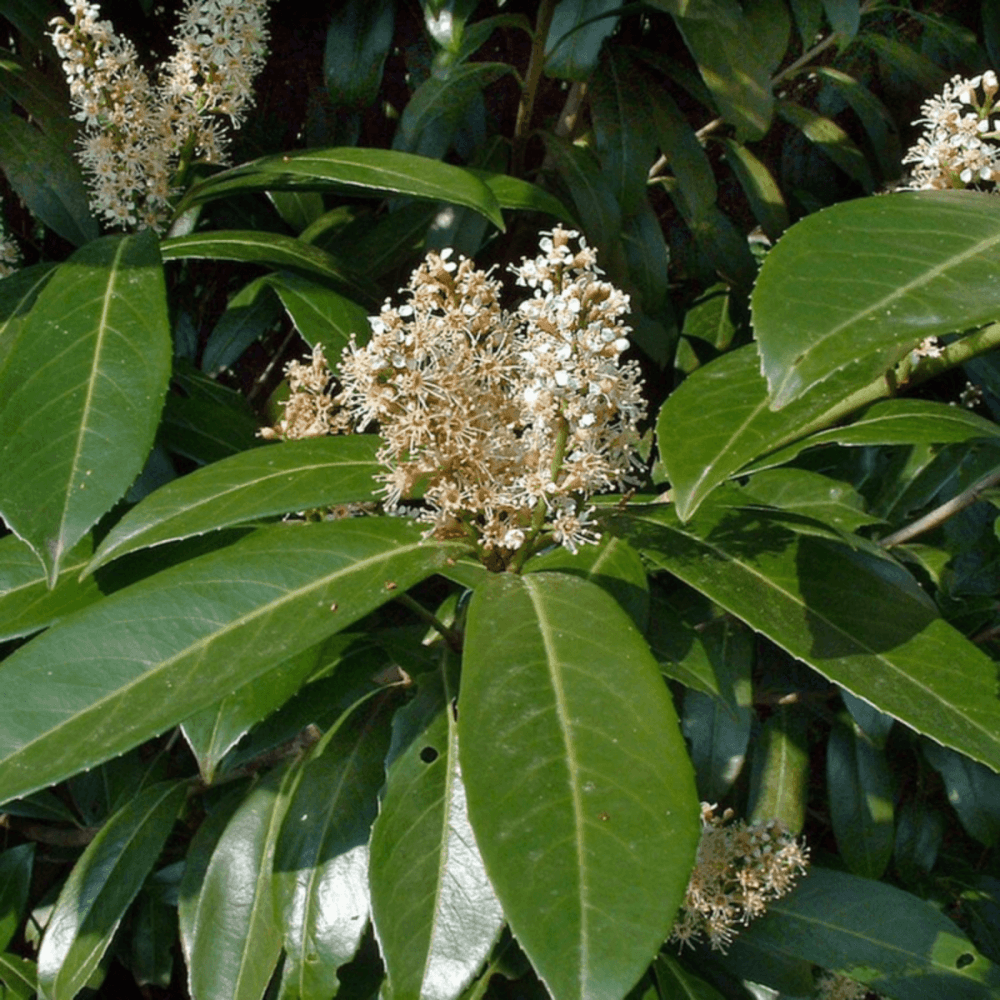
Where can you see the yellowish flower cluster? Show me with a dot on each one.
(137, 134)
(739, 869)
(504, 423)
(954, 151)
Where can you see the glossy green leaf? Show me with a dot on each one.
(919, 834)
(18, 976)
(215, 730)
(575, 37)
(15, 879)
(677, 982)
(103, 317)
(358, 40)
(154, 934)
(513, 192)
(779, 787)
(760, 187)
(856, 286)
(440, 105)
(676, 641)
(277, 479)
(320, 314)
(612, 564)
(896, 943)
(718, 420)
(907, 60)
(321, 861)
(39, 94)
(56, 195)
(625, 134)
(361, 172)
(859, 784)
(738, 80)
(26, 602)
(208, 429)
(876, 635)
(18, 292)
(895, 421)
(298, 209)
(102, 884)
(828, 136)
(160, 650)
(235, 933)
(579, 787)
(251, 312)
(270, 249)
(770, 27)
(436, 916)
(972, 790)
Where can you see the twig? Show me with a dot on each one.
(536, 63)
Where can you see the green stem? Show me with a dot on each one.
(449, 635)
(536, 63)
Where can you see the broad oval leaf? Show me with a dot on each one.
(897, 944)
(436, 915)
(277, 479)
(579, 787)
(859, 620)
(321, 861)
(102, 884)
(81, 393)
(235, 937)
(852, 288)
(151, 655)
(362, 172)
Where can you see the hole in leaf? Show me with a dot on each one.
(964, 960)
(428, 755)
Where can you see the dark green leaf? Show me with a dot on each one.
(235, 937)
(576, 35)
(208, 429)
(854, 287)
(363, 172)
(103, 317)
(251, 312)
(828, 136)
(26, 602)
(925, 73)
(18, 976)
(320, 314)
(277, 479)
(55, 195)
(435, 912)
(760, 187)
(579, 788)
(321, 861)
(101, 886)
(780, 782)
(15, 879)
(844, 16)
(897, 944)
(678, 983)
(675, 640)
(298, 209)
(18, 292)
(154, 933)
(770, 27)
(358, 40)
(512, 192)
(160, 650)
(878, 635)
(973, 791)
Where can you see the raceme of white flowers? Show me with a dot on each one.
(503, 422)
(137, 133)
(955, 151)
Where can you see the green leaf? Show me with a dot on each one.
(26, 602)
(439, 106)
(738, 80)
(678, 983)
(208, 428)
(55, 195)
(154, 933)
(770, 27)
(276, 479)
(844, 16)
(895, 943)
(902, 57)
(575, 37)
(436, 916)
(321, 861)
(358, 40)
(18, 292)
(101, 886)
(718, 420)
(160, 650)
(15, 879)
(761, 189)
(18, 976)
(360, 172)
(235, 934)
(298, 209)
(95, 349)
(894, 421)
(320, 314)
(779, 787)
(251, 312)
(675, 640)
(579, 788)
(215, 730)
(859, 784)
(512, 192)
(854, 287)
(828, 136)
(269, 249)
(859, 620)
(973, 791)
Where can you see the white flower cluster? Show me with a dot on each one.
(503, 423)
(955, 151)
(739, 869)
(137, 135)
